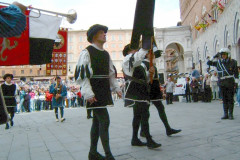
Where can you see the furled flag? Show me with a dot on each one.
(35, 45)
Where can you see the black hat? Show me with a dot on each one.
(126, 50)
(94, 29)
(158, 53)
(7, 75)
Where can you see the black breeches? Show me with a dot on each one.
(161, 111)
(11, 112)
(100, 128)
(140, 115)
(89, 111)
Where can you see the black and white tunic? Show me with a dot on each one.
(137, 78)
(96, 75)
(9, 92)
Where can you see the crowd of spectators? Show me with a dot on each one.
(35, 96)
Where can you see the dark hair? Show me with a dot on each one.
(126, 50)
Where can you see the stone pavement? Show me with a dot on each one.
(36, 136)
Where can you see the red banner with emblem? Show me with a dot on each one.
(59, 55)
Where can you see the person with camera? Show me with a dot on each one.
(228, 76)
(59, 91)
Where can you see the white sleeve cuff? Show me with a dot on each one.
(236, 80)
(155, 49)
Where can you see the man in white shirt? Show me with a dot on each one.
(169, 90)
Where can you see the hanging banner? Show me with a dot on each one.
(35, 45)
(59, 55)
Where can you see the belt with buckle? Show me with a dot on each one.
(226, 77)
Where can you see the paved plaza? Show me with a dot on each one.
(37, 136)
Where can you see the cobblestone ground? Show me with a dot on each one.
(37, 136)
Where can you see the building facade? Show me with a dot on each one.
(214, 25)
(175, 42)
(26, 71)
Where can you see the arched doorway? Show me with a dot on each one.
(174, 59)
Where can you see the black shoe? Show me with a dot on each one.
(7, 126)
(11, 123)
(230, 117)
(152, 145)
(173, 131)
(225, 117)
(88, 117)
(110, 157)
(95, 156)
(137, 142)
(63, 119)
(142, 134)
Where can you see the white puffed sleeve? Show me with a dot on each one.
(83, 73)
(113, 81)
(133, 60)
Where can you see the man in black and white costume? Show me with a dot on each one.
(9, 91)
(156, 98)
(95, 74)
(137, 93)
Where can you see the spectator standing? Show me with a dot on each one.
(32, 100)
(42, 99)
(194, 88)
(27, 101)
(48, 100)
(79, 98)
(195, 73)
(186, 87)
(201, 89)
(238, 89)
(214, 85)
(59, 92)
(68, 98)
(22, 95)
(207, 88)
(169, 90)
